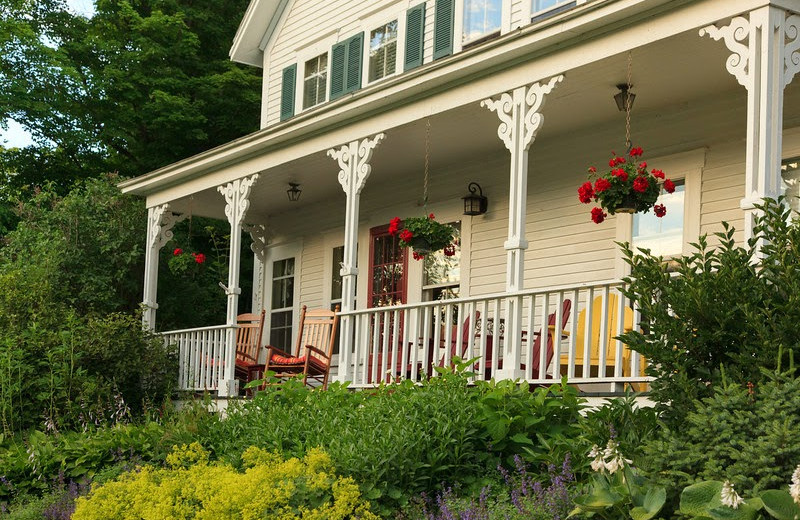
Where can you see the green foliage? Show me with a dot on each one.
(425, 234)
(136, 86)
(704, 500)
(720, 311)
(540, 424)
(621, 494)
(269, 488)
(747, 436)
(69, 284)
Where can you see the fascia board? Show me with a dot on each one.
(595, 20)
(246, 47)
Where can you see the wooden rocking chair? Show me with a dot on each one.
(312, 356)
(248, 343)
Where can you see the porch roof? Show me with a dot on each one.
(589, 42)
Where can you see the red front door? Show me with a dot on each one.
(388, 268)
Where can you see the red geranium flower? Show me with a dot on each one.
(620, 160)
(635, 152)
(418, 256)
(598, 215)
(592, 169)
(612, 162)
(669, 186)
(601, 185)
(643, 165)
(394, 226)
(431, 216)
(406, 235)
(659, 210)
(640, 184)
(449, 250)
(199, 257)
(178, 251)
(585, 192)
(619, 172)
(658, 174)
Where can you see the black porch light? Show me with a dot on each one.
(293, 192)
(475, 203)
(622, 96)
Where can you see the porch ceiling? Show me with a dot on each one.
(667, 75)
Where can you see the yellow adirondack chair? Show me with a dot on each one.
(611, 330)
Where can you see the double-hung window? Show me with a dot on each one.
(315, 81)
(383, 51)
(442, 276)
(481, 18)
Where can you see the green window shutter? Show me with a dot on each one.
(355, 50)
(288, 91)
(338, 61)
(415, 37)
(443, 20)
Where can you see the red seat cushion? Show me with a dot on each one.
(291, 360)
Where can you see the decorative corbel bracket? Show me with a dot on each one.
(161, 222)
(237, 198)
(354, 162)
(520, 112)
(261, 236)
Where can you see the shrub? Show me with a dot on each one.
(70, 279)
(720, 311)
(192, 488)
(745, 435)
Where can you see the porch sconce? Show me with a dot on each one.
(293, 192)
(475, 203)
(622, 95)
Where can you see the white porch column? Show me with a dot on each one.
(764, 60)
(520, 121)
(354, 168)
(237, 201)
(159, 231)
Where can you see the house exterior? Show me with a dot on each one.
(362, 97)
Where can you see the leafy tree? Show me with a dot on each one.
(140, 84)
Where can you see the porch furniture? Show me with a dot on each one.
(312, 356)
(535, 352)
(248, 343)
(595, 339)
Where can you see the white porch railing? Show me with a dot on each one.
(202, 354)
(409, 341)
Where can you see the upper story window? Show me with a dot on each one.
(481, 17)
(383, 51)
(662, 236)
(315, 81)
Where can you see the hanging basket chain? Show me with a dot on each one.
(628, 105)
(427, 164)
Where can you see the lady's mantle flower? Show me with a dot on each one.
(729, 496)
(794, 489)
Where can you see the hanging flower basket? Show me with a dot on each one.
(626, 188)
(181, 263)
(423, 235)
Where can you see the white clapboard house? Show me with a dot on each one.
(516, 96)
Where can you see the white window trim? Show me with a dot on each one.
(686, 166)
(276, 253)
(333, 239)
(370, 24)
(321, 46)
(458, 24)
(528, 12)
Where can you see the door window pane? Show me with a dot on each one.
(662, 236)
(790, 183)
(281, 311)
(383, 51)
(481, 17)
(315, 81)
(336, 275)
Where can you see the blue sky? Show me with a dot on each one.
(16, 136)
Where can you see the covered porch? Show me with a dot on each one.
(539, 284)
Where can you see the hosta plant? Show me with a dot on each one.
(626, 187)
